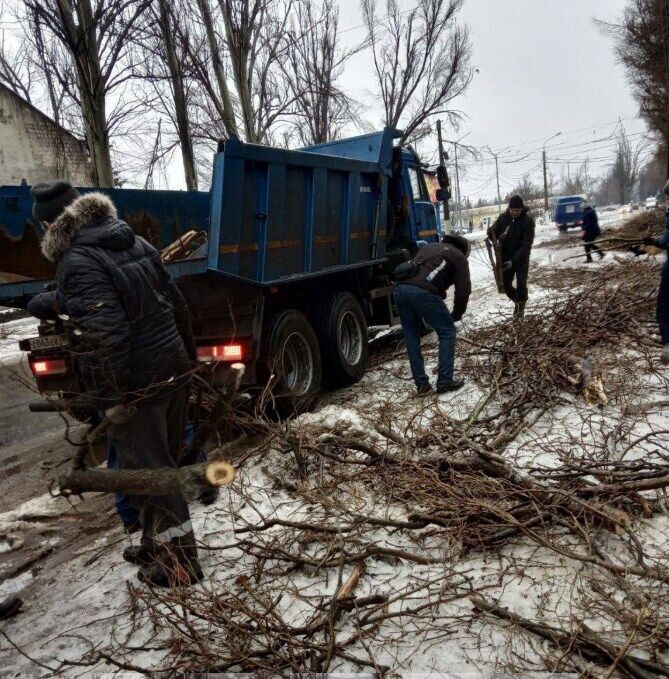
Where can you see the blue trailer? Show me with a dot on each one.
(568, 212)
(301, 245)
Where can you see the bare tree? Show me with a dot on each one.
(165, 67)
(317, 62)
(96, 38)
(16, 69)
(619, 183)
(219, 94)
(642, 46)
(257, 41)
(421, 59)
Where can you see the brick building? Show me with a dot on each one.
(35, 148)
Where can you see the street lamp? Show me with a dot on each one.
(555, 136)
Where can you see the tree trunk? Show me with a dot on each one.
(188, 482)
(224, 107)
(237, 37)
(179, 95)
(83, 43)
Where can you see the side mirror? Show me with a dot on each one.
(442, 177)
(443, 195)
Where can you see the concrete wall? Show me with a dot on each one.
(34, 148)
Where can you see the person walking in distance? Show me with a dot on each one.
(515, 231)
(128, 323)
(420, 299)
(662, 242)
(591, 232)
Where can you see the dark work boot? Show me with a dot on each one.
(141, 555)
(450, 386)
(519, 310)
(423, 390)
(209, 496)
(177, 566)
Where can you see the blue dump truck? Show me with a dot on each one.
(568, 212)
(300, 248)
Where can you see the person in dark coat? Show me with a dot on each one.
(124, 313)
(515, 231)
(420, 300)
(662, 242)
(591, 232)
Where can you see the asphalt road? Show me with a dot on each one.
(31, 444)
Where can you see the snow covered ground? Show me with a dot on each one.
(82, 608)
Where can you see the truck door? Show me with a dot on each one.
(423, 212)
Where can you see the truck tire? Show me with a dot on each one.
(293, 356)
(342, 332)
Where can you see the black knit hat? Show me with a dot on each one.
(50, 199)
(516, 203)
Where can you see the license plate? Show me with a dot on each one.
(47, 342)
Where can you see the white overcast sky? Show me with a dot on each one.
(544, 67)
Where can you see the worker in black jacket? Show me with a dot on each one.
(124, 312)
(515, 231)
(420, 299)
(591, 232)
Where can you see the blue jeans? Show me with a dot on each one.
(663, 304)
(414, 305)
(127, 513)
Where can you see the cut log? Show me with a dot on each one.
(188, 481)
(496, 260)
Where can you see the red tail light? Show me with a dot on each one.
(221, 352)
(46, 368)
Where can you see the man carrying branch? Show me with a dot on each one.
(515, 231)
(134, 348)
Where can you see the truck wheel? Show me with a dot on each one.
(294, 357)
(342, 333)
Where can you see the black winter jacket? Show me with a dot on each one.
(516, 236)
(445, 264)
(591, 230)
(124, 310)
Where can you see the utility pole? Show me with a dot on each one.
(458, 207)
(546, 169)
(499, 195)
(442, 161)
(545, 183)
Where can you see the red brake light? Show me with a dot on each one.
(44, 368)
(221, 352)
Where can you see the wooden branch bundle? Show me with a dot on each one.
(189, 481)
(583, 641)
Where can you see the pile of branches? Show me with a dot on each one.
(353, 540)
(558, 345)
(648, 224)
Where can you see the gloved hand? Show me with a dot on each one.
(649, 242)
(457, 318)
(119, 414)
(490, 232)
(507, 266)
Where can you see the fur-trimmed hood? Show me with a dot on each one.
(85, 211)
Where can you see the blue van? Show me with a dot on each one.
(568, 212)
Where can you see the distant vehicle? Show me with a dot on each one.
(610, 208)
(568, 212)
(634, 207)
(652, 203)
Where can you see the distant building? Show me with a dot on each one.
(35, 148)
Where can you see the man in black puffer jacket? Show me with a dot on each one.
(124, 313)
(515, 230)
(420, 299)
